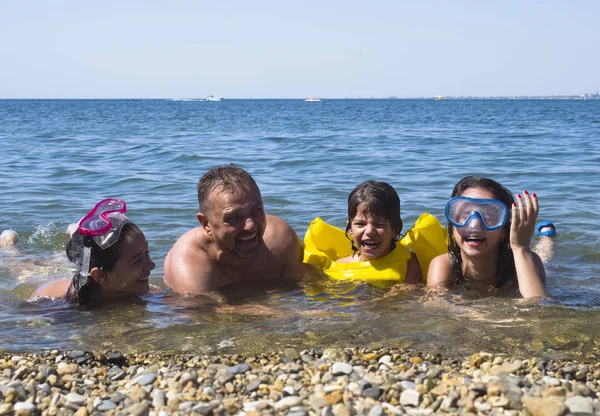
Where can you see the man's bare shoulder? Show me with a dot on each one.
(188, 267)
(283, 243)
(279, 232)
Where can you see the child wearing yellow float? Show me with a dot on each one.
(369, 249)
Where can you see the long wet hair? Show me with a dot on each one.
(505, 268)
(377, 199)
(87, 291)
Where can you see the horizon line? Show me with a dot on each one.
(456, 97)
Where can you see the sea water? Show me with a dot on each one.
(59, 157)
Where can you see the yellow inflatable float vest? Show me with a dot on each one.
(324, 244)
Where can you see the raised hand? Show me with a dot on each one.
(524, 216)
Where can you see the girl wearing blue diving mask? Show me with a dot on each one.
(489, 239)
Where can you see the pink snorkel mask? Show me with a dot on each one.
(103, 224)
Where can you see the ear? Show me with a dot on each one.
(97, 274)
(203, 220)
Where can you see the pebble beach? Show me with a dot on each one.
(328, 381)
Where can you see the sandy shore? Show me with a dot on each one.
(313, 382)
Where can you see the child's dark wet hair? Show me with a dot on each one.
(377, 199)
(506, 263)
(87, 291)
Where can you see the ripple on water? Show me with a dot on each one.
(60, 157)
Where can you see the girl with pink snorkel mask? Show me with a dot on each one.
(111, 255)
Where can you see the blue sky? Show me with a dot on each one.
(279, 49)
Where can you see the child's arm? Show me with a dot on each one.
(413, 271)
(440, 272)
(530, 270)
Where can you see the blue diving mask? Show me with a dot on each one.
(492, 213)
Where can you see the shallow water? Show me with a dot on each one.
(59, 157)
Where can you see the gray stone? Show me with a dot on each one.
(185, 406)
(410, 398)
(106, 405)
(316, 401)
(24, 407)
(287, 402)
(376, 410)
(372, 392)
(551, 380)
(433, 372)
(225, 377)
(158, 398)
(115, 358)
(186, 378)
(205, 408)
(75, 398)
(306, 358)
(449, 402)
(146, 379)
(386, 359)
(45, 387)
(580, 405)
(253, 385)
(408, 385)
(75, 354)
(239, 369)
(419, 412)
(339, 368)
(118, 398)
(373, 380)
(115, 373)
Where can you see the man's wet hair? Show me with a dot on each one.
(225, 178)
(378, 199)
(506, 263)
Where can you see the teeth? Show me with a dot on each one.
(370, 243)
(247, 238)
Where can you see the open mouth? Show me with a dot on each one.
(474, 240)
(142, 279)
(370, 245)
(248, 241)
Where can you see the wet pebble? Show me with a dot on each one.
(342, 382)
(239, 369)
(146, 379)
(340, 368)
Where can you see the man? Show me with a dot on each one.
(235, 242)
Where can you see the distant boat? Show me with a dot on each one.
(313, 100)
(213, 98)
(440, 98)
